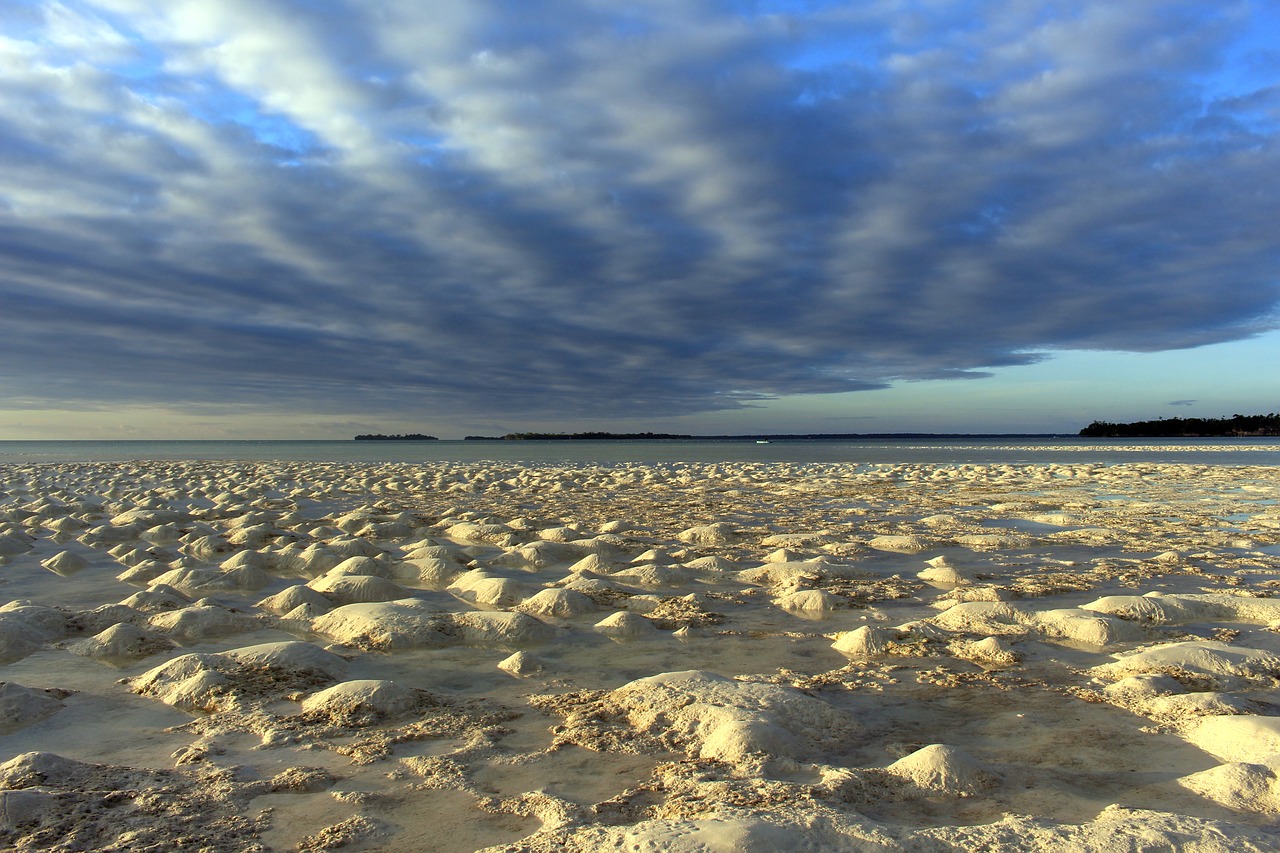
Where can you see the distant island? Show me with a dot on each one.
(760, 437)
(811, 436)
(590, 436)
(1236, 426)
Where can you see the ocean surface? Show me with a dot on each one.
(960, 450)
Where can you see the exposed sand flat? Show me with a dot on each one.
(688, 657)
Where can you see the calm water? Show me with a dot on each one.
(955, 451)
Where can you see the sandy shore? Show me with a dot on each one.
(302, 656)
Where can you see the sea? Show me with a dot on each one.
(937, 450)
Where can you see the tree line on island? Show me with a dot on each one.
(1234, 426)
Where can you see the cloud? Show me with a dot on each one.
(576, 209)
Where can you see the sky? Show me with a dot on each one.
(309, 219)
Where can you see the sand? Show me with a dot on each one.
(687, 657)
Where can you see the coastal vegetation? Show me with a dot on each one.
(409, 436)
(1236, 425)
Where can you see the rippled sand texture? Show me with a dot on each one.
(284, 656)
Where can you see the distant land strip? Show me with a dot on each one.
(663, 436)
(1238, 426)
(655, 436)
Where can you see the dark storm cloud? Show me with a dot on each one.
(567, 209)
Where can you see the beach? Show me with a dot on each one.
(688, 656)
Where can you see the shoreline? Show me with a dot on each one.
(559, 656)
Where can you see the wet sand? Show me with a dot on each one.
(461, 656)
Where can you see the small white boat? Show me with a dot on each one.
(762, 441)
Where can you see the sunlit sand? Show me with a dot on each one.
(738, 656)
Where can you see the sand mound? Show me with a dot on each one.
(295, 596)
(360, 565)
(65, 563)
(208, 548)
(289, 656)
(17, 640)
(480, 587)
(365, 702)
(147, 518)
(981, 617)
(1082, 626)
(233, 679)
(811, 601)
(104, 536)
(1205, 662)
(144, 573)
(12, 544)
(900, 544)
(25, 628)
(345, 547)
(122, 642)
(1243, 786)
(22, 705)
(560, 533)
(409, 623)
(540, 555)
(1183, 705)
(480, 534)
(713, 717)
(429, 549)
(1235, 738)
(944, 769)
(810, 539)
(200, 580)
(992, 541)
(521, 665)
(945, 574)
(966, 593)
(497, 629)
(158, 598)
(865, 642)
(53, 803)
(991, 653)
(732, 832)
(718, 533)
(559, 603)
(1115, 829)
(604, 545)
(1180, 609)
(200, 622)
(711, 564)
(357, 589)
(49, 622)
(625, 625)
(651, 576)
(781, 574)
(593, 563)
(103, 617)
(429, 572)
(32, 769)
